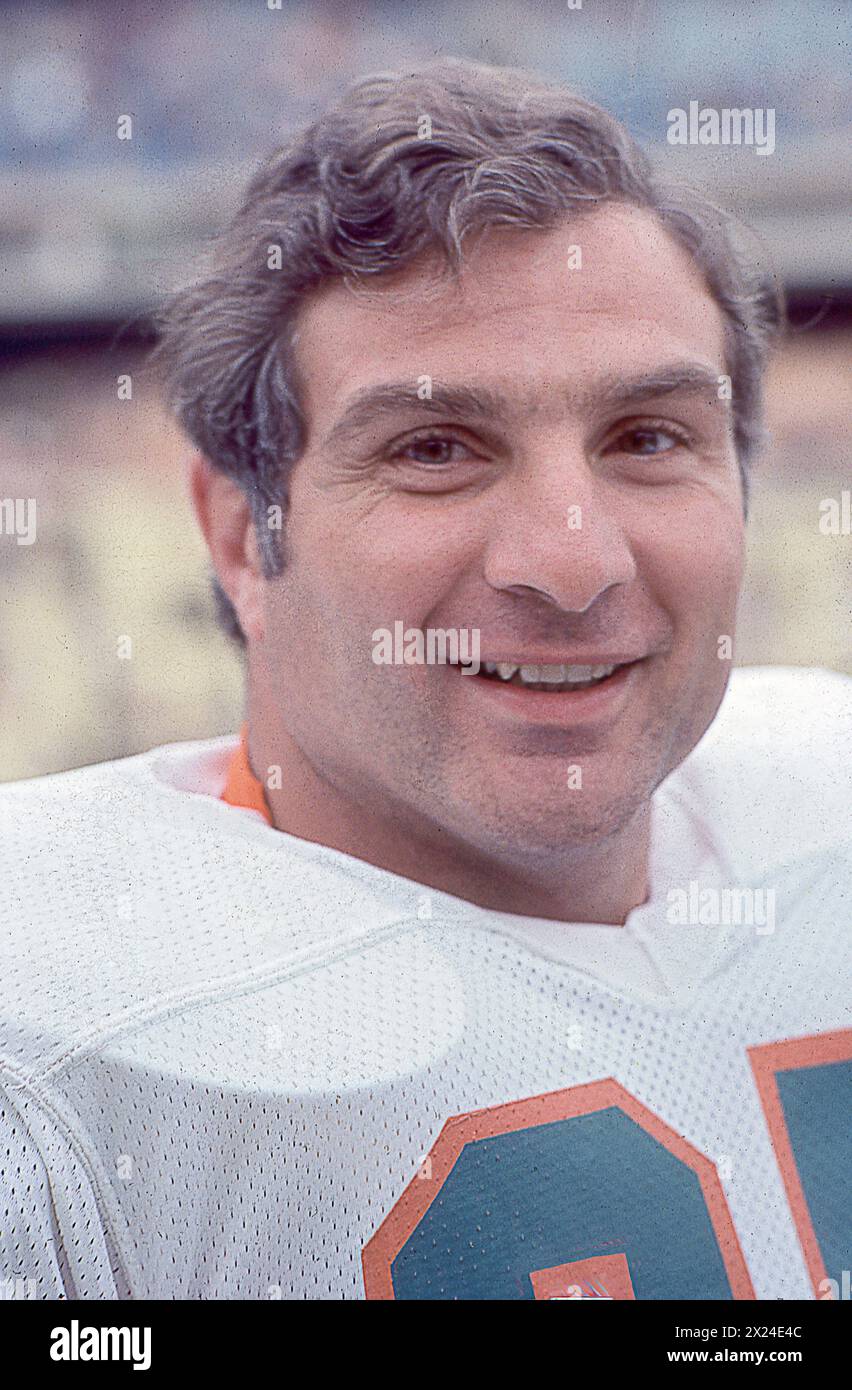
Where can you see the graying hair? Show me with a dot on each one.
(361, 192)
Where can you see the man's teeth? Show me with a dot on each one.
(547, 675)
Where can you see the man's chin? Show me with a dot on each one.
(555, 812)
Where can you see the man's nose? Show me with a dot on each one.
(556, 530)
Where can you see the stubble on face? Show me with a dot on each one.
(474, 531)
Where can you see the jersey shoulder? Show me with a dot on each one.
(772, 778)
(130, 889)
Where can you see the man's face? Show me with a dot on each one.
(567, 485)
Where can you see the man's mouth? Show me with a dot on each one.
(553, 678)
(592, 691)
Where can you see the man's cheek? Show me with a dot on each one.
(712, 567)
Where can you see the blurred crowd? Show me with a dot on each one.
(221, 78)
(96, 225)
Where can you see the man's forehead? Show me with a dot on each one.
(632, 300)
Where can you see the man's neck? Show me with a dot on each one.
(602, 883)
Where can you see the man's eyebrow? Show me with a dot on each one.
(485, 405)
(375, 403)
(693, 378)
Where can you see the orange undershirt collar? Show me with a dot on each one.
(242, 788)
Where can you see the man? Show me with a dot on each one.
(462, 977)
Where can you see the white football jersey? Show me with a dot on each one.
(235, 1064)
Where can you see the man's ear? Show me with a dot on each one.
(224, 516)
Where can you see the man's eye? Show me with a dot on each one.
(647, 440)
(434, 449)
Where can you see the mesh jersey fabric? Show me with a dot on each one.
(232, 1062)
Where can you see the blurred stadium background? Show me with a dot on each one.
(94, 229)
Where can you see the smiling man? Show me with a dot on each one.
(445, 982)
(548, 493)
